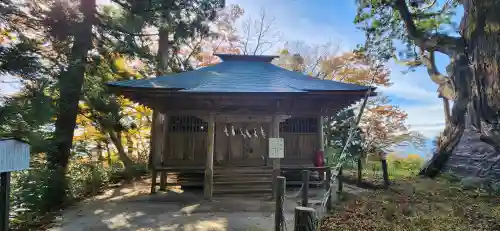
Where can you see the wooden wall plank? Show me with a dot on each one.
(221, 144)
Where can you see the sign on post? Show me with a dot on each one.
(14, 156)
(276, 148)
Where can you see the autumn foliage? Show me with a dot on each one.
(226, 39)
(353, 67)
(383, 123)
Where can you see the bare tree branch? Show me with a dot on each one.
(260, 34)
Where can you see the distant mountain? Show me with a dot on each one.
(405, 148)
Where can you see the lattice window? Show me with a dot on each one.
(299, 125)
(187, 124)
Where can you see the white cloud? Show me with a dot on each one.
(406, 90)
(428, 119)
(415, 86)
(426, 112)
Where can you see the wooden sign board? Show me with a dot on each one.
(276, 148)
(14, 155)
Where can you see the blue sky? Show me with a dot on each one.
(321, 21)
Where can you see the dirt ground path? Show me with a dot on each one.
(131, 207)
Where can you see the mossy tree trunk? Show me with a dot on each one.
(476, 112)
(471, 137)
(482, 32)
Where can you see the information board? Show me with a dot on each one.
(14, 155)
(276, 148)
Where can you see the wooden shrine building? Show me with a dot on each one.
(216, 121)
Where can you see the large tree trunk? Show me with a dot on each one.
(70, 88)
(482, 34)
(451, 136)
(476, 152)
(163, 58)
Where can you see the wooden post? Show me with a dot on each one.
(320, 135)
(274, 133)
(209, 166)
(329, 202)
(163, 175)
(305, 189)
(340, 184)
(163, 180)
(304, 219)
(280, 200)
(156, 131)
(385, 172)
(154, 175)
(360, 171)
(4, 200)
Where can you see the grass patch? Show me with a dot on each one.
(417, 204)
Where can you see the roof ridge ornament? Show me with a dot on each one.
(247, 58)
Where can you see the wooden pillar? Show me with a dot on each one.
(340, 185)
(275, 133)
(305, 189)
(385, 172)
(4, 200)
(329, 202)
(209, 166)
(320, 134)
(304, 219)
(156, 147)
(360, 170)
(164, 132)
(279, 218)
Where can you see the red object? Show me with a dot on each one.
(319, 159)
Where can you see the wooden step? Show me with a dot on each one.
(243, 191)
(242, 187)
(242, 170)
(241, 176)
(243, 180)
(249, 183)
(187, 183)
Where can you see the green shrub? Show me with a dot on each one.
(86, 179)
(29, 188)
(29, 196)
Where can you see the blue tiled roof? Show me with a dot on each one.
(239, 73)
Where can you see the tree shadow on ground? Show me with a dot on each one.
(132, 208)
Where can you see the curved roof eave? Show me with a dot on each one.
(240, 74)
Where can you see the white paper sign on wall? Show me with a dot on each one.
(276, 148)
(14, 155)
